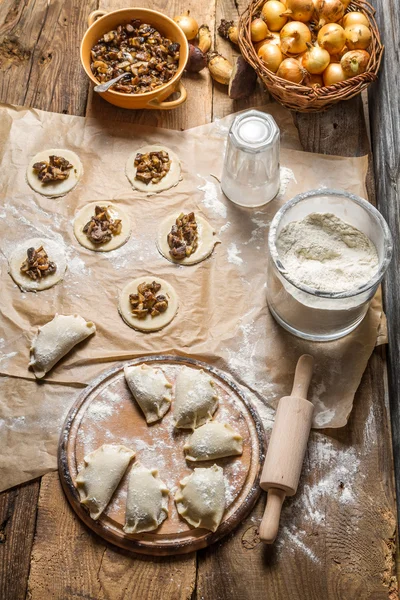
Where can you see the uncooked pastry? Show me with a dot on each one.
(213, 440)
(147, 500)
(172, 178)
(55, 253)
(98, 479)
(148, 323)
(116, 212)
(200, 499)
(55, 339)
(54, 189)
(196, 399)
(206, 240)
(151, 390)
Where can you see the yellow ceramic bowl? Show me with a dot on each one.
(100, 22)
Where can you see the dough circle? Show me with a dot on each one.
(85, 214)
(56, 188)
(55, 253)
(171, 179)
(206, 240)
(148, 323)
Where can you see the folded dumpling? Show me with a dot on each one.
(196, 399)
(99, 477)
(55, 339)
(151, 390)
(200, 499)
(147, 501)
(213, 440)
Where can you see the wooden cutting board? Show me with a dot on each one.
(106, 413)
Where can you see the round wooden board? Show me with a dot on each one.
(106, 413)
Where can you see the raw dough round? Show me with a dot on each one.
(206, 240)
(172, 178)
(116, 212)
(148, 323)
(55, 253)
(56, 188)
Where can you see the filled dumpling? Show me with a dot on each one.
(151, 390)
(213, 440)
(99, 477)
(147, 501)
(200, 499)
(196, 398)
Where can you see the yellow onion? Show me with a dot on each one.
(354, 18)
(314, 81)
(271, 56)
(345, 3)
(333, 74)
(332, 38)
(291, 70)
(355, 62)
(188, 25)
(272, 38)
(358, 37)
(336, 58)
(300, 10)
(259, 30)
(272, 13)
(315, 60)
(294, 37)
(329, 11)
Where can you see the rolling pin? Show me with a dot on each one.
(287, 447)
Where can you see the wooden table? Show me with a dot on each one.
(45, 552)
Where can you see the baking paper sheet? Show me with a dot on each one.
(223, 317)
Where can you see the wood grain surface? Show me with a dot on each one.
(346, 552)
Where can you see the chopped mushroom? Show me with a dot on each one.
(37, 264)
(147, 301)
(152, 166)
(57, 169)
(183, 237)
(102, 226)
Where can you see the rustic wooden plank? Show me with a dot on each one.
(17, 528)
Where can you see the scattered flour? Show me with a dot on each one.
(233, 254)
(211, 199)
(286, 176)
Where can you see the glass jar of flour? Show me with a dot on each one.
(328, 252)
(250, 175)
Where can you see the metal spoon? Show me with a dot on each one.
(103, 87)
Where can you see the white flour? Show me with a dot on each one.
(325, 253)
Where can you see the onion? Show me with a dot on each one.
(332, 38)
(336, 58)
(358, 37)
(300, 10)
(273, 38)
(345, 3)
(355, 62)
(294, 37)
(315, 60)
(354, 18)
(329, 11)
(314, 81)
(188, 25)
(271, 13)
(259, 30)
(333, 74)
(271, 56)
(291, 70)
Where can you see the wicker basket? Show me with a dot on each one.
(300, 97)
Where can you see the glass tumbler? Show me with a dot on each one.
(250, 175)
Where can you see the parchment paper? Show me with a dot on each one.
(223, 317)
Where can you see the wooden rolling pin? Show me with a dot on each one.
(287, 447)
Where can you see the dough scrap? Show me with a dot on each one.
(171, 179)
(200, 499)
(206, 240)
(196, 399)
(213, 440)
(147, 500)
(151, 389)
(148, 323)
(56, 254)
(57, 188)
(55, 339)
(116, 212)
(98, 479)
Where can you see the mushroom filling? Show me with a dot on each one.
(37, 264)
(57, 169)
(183, 237)
(101, 227)
(138, 49)
(147, 301)
(152, 166)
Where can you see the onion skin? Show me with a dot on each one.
(258, 30)
(333, 74)
(329, 11)
(291, 70)
(272, 12)
(355, 62)
(271, 56)
(294, 37)
(188, 25)
(300, 10)
(197, 60)
(332, 38)
(314, 81)
(315, 60)
(358, 37)
(354, 18)
(273, 38)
